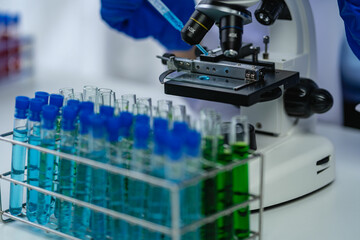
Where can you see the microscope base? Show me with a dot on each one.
(294, 166)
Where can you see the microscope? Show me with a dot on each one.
(275, 89)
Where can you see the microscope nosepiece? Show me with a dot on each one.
(196, 28)
(231, 30)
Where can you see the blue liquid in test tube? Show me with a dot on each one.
(18, 154)
(99, 177)
(81, 219)
(156, 207)
(138, 189)
(46, 166)
(66, 167)
(34, 126)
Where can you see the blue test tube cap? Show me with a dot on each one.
(49, 114)
(126, 119)
(113, 127)
(57, 100)
(22, 102)
(180, 129)
(160, 123)
(42, 95)
(21, 106)
(97, 126)
(75, 104)
(107, 111)
(174, 147)
(142, 119)
(85, 122)
(36, 105)
(69, 115)
(125, 122)
(87, 106)
(141, 136)
(160, 139)
(193, 143)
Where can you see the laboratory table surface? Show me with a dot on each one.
(332, 213)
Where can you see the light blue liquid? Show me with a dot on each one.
(33, 175)
(45, 181)
(138, 192)
(55, 202)
(82, 191)
(98, 197)
(17, 172)
(65, 187)
(158, 197)
(117, 192)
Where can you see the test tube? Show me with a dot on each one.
(107, 97)
(239, 140)
(79, 96)
(18, 153)
(68, 94)
(147, 102)
(131, 98)
(34, 127)
(209, 122)
(90, 94)
(164, 109)
(179, 113)
(121, 105)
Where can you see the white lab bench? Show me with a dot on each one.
(332, 213)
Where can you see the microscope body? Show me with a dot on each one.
(297, 161)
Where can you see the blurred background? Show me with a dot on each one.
(68, 38)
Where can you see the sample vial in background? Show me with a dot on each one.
(66, 167)
(46, 167)
(83, 183)
(18, 153)
(42, 95)
(239, 140)
(34, 126)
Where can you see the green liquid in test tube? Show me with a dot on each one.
(224, 183)
(239, 139)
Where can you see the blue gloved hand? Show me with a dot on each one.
(139, 19)
(350, 12)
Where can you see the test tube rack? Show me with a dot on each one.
(176, 231)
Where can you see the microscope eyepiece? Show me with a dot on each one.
(231, 30)
(269, 11)
(196, 28)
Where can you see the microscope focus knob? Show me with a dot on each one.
(269, 11)
(307, 98)
(321, 101)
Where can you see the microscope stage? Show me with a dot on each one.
(229, 90)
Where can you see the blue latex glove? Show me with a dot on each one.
(139, 19)
(350, 12)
